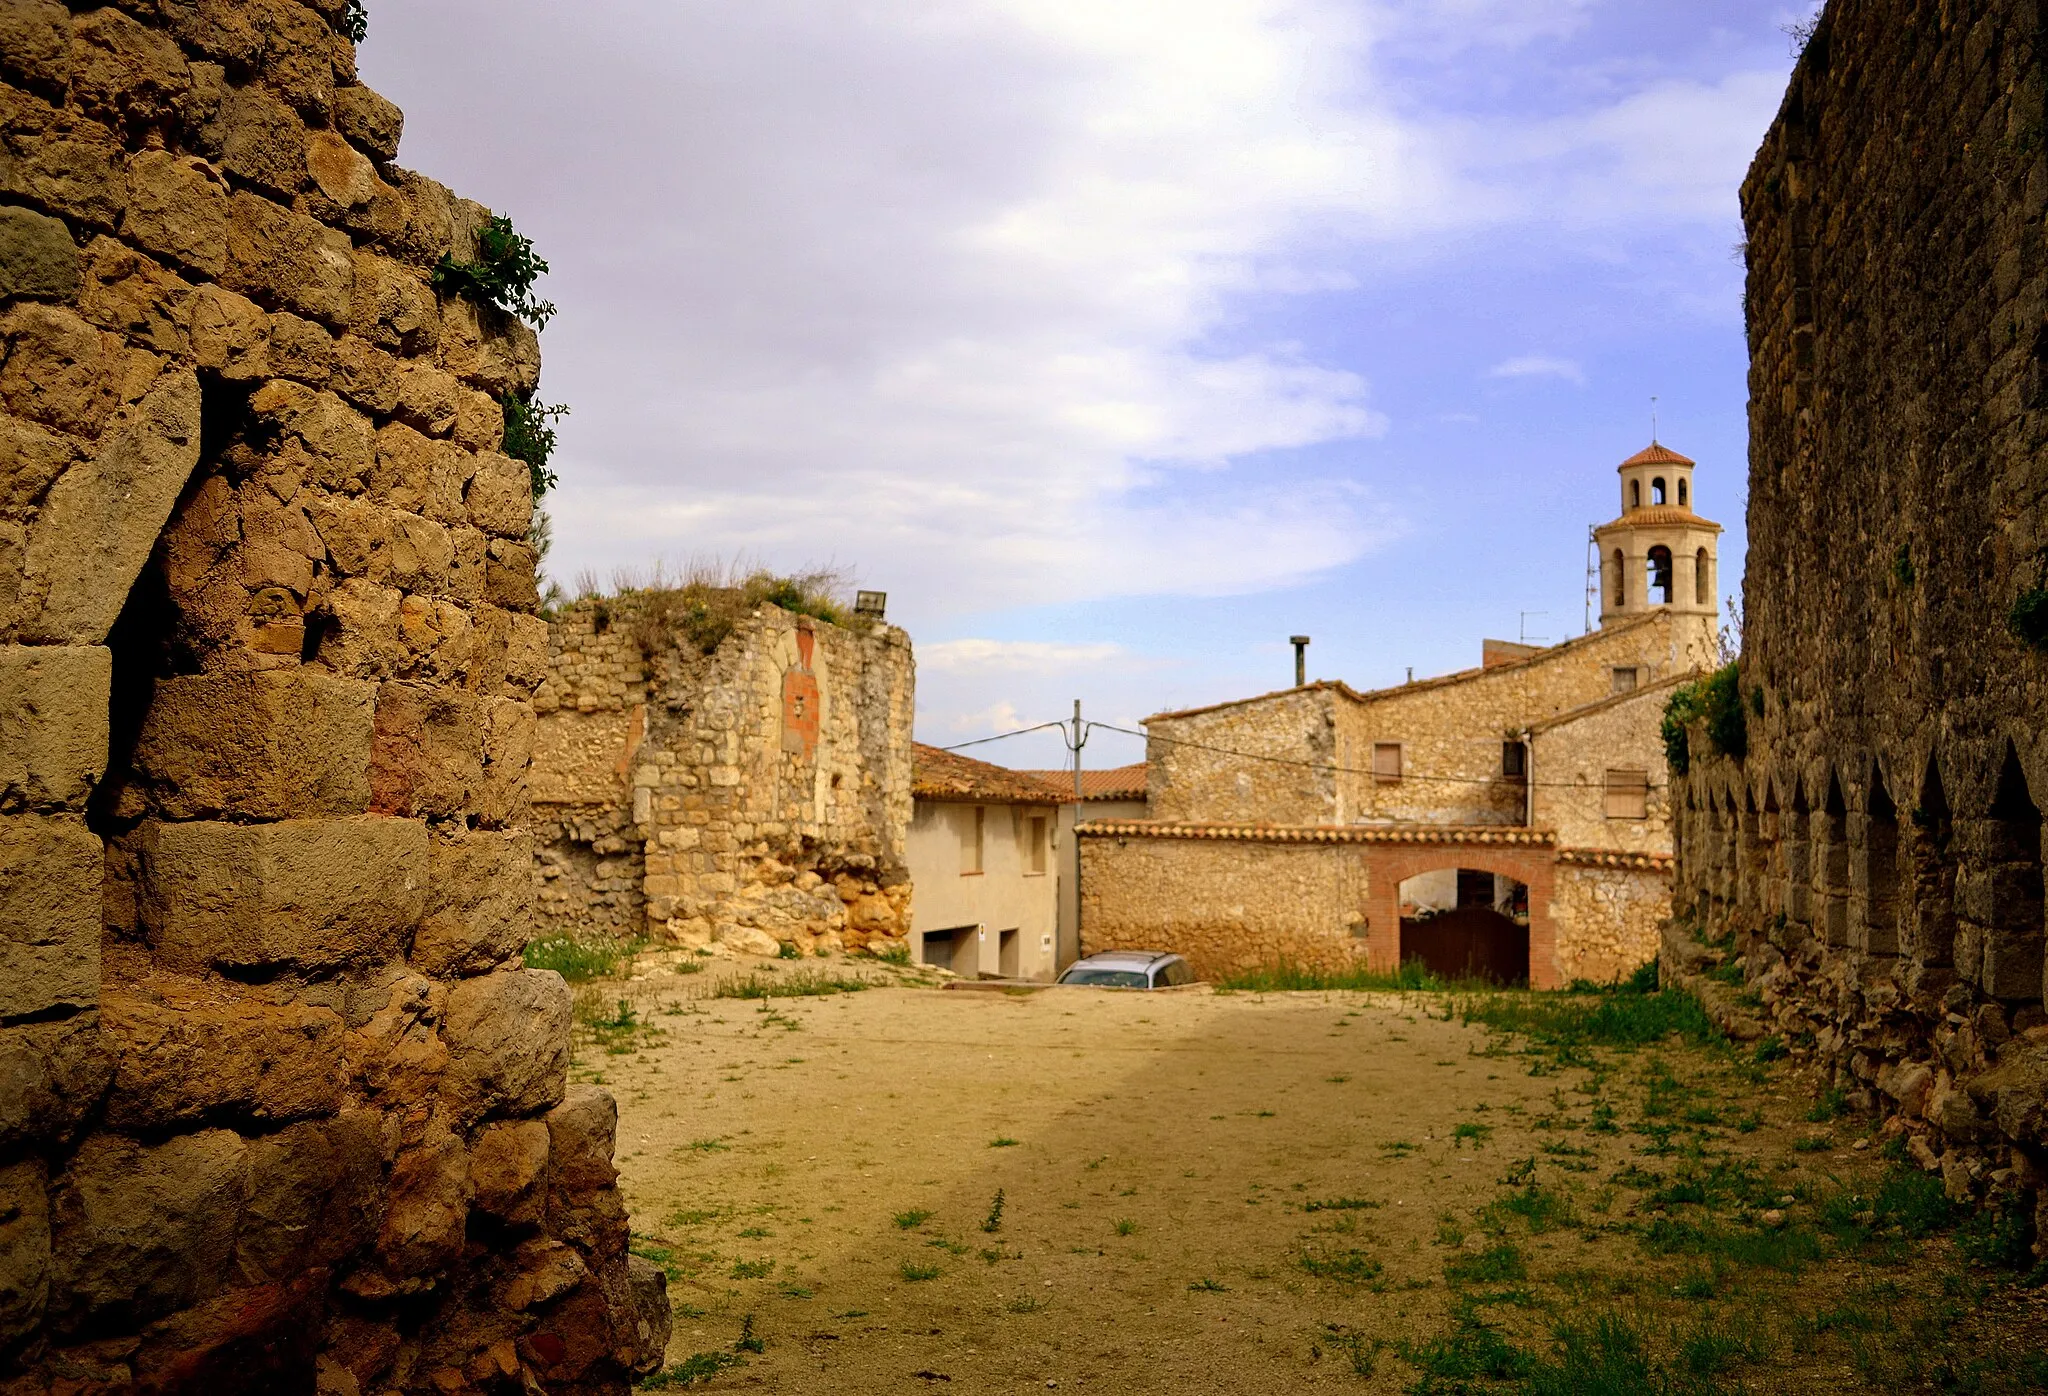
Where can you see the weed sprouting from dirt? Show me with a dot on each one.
(805, 983)
(1287, 977)
(917, 1271)
(578, 960)
(1604, 1020)
(1340, 1204)
(1124, 1226)
(912, 1219)
(1350, 1266)
(1206, 1285)
(1003, 1141)
(993, 1222)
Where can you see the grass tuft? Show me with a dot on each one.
(805, 983)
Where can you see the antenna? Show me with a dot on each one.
(1653, 420)
(1592, 575)
(1527, 639)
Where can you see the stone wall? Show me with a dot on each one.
(1570, 758)
(1607, 911)
(278, 1105)
(755, 796)
(1876, 857)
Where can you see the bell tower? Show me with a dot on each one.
(1659, 555)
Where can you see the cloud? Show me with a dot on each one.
(998, 717)
(1014, 656)
(1539, 366)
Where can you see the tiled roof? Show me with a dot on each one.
(1604, 858)
(1492, 835)
(1117, 783)
(946, 775)
(1656, 453)
(1651, 515)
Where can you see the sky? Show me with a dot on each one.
(1119, 340)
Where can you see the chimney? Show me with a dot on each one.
(1300, 643)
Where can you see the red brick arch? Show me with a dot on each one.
(1387, 868)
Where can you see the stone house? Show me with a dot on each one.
(985, 854)
(752, 794)
(1513, 816)
(280, 1107)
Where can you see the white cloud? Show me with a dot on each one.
(997, 718)
(1014, 656)
(1539, 366)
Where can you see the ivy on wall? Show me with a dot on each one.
(1718, 699)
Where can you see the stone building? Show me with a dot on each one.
(279, 1107)
(985, 854)
(1863, 817)
(749, 789)
(1514, 817)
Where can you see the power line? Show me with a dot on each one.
(1332, 767)
(1005, 736)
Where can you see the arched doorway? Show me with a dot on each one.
(1465, 923)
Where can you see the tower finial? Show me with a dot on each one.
(1653, 420)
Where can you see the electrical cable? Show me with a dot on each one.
(1005, 736)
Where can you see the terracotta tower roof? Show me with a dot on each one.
(1656, 453)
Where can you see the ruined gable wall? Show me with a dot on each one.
(1877, 855)
(276, 1096)
(679, 799)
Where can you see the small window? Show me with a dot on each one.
(1386, 763)
(1657, 491)
(1628, 794)
(1620, 579)
(1035, 854)
(973, 838)
(1514, 760)
(1702, 579)
(1681, 496)
(1626, 680)
(1635, 494)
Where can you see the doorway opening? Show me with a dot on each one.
(1466, 923)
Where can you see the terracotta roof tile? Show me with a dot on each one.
(1494, 835)
(947, 775)
(1651, 515)
(1656, 453)
(1117, 783)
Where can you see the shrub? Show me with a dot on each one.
(355, 22)
(2029, 618)
(1716, 698)
(530, 438)
(502, 276)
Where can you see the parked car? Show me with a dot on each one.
(1130, 969)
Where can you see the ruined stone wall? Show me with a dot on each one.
(278, 1104)
(756, 796)
(1877, 855)
(1225, 906)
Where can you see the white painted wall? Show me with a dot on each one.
(948, 894)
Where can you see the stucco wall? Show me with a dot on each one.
(1004, 896)
(762, 791)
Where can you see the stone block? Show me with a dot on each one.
(340, 172)
(24, 1242)
(178, 208)
(104, 515)
(371, 123)
(427, 1205)
(229, 334)
(261, 140)
(126, 75)
(38, 259)
(510, 579)
(287, 261)
(298, 57)
(508, 1044)
(52, 1075)
(365, 375)
(420, 475)
(301, 350)
(278, 745)
(413, 219)
(139, 1231)
(500, 497)
(480, 893)
(340, 441)
(652, 1317)
(394, 308)
(50, 873)
(583, 1132)
(60, 162)
(59, 371)
(508, 1170)
(304, 893)
(136, 298)
(38, 457)
(35, 47)
(216, 1057)
(429, 750)
(313, 1196)
(53, 723)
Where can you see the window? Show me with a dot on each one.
(973, 837)
(1034, 853)
(1386, 762)
(1635, 494)
(1657, 491)
(1660, 575)
(1620, 579)
(1625, 680)
(1628, 794)
(1702, 579)
(1681, 495)
(1514, 760)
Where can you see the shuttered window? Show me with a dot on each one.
(1628, 794)
(1386, 762)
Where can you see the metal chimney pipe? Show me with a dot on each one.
(1300, 643)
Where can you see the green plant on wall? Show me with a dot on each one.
(355, 22)
(530, 438)
(1902, 566)
(502, 275)
(2029, 618)
(1716, 698)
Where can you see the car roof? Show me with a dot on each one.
(1140, 959)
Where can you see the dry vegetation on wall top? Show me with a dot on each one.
(709, 601)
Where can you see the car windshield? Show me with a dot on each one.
(1108, 978)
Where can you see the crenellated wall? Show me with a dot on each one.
(279, 1107)
(1874, 860)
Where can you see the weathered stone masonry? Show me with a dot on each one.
(1877, 855)
(279, 1108)
(755, 796)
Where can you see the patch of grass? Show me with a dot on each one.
(1471, 1130)
(917, 1271)
(1472, 1351)
(1788, 1249)
(805, 983)
(1813, 1144)
(1205, 1285)
(1340, 1204)
(707, 1146)
(1500, 1263)
(2001, 1235)
(1604, 1020)
(747, 1342)
(752, 1269)
(694, 1369)
(1544, 1209)
(1028, 1304)
(993, 1222)
(1831, 1103)
(1124, 1226)
(1286, 977)
(1003, 1141)
(691, 1216)
(578, 960)
(895, 953)
(1770, 1049)
(911, 1220)
(1351, 1266)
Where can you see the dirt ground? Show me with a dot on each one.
(1199, 1192)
